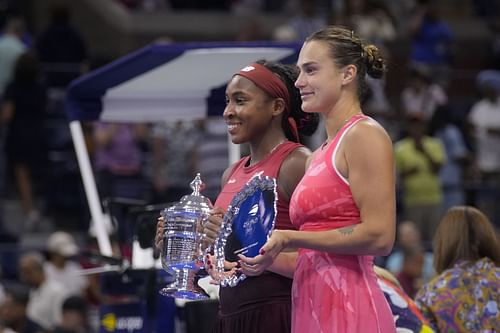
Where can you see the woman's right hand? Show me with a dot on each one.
(160, 229)
(212, 227)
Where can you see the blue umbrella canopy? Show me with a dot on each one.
(167, 81)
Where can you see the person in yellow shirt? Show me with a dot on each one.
(418, 160)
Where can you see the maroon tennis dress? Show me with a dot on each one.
(261, 303)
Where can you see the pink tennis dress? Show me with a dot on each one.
(333, 293)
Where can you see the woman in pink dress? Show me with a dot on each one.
(345, 204)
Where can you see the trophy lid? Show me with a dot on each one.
(194, 201)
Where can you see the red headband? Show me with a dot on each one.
(267, 81)
(271, 84)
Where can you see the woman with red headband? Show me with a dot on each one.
(263, 110)
(345, 203)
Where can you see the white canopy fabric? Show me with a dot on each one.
(167, 81)
(181, 87)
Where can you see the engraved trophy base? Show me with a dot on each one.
(185, 285)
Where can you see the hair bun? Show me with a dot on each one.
(375, 64)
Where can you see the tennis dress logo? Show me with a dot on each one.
(256, 174)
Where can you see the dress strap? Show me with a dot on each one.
(332, 150)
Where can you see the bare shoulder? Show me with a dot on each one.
(368, 148)
(297, 157)
(367, 134)
(292, 170)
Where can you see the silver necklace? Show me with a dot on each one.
(323, 146)
(277, 145)
(271, 151)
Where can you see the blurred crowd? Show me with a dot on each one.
(446, 148)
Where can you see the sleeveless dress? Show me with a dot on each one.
(333, 293)
(259, 304)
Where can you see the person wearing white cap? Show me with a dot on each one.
(485, 118)
(46, 295)
(61, 248)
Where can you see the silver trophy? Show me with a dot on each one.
(246, 226)
(182, 254)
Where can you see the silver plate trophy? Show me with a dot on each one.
(182, 254)
(246, 226)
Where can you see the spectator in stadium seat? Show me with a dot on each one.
(464, 296)
(23, 112)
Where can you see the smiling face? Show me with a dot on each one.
(248, 111)
(320, 81)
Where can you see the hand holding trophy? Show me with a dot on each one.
(182, 252)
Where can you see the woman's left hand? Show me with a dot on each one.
(254, 266)
(269, 251)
